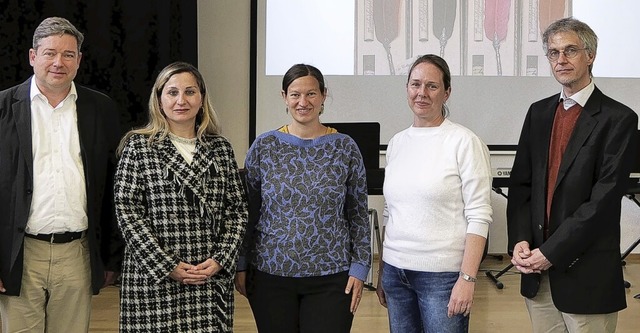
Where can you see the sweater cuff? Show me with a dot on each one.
(359, 271)
(478, 228)
(242, 264)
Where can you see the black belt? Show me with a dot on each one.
(64, 237)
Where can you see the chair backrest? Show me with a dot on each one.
(636, 163)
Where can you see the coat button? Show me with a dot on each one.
(539, 227)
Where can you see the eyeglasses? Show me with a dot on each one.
(569, 52)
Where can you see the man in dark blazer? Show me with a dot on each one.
(57, 144)
(569, 175)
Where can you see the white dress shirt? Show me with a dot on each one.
(581, 97)
(59, 202)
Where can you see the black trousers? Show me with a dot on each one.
(300, 305)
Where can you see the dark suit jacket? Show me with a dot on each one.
(584, 223)
(99, 134)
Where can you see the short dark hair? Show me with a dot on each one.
(53, 26)
(301, 70)
(436, 61)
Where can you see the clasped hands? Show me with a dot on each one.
(195, 274)
(529, 261)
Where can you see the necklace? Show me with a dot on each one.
(186, 147)
(181, 139)
(328, 130)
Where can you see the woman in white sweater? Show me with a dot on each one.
(437, 192)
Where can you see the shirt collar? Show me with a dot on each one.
(35, 91)
(581, 97)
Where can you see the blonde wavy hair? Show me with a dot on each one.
(158, 128)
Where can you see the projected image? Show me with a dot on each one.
(494, 49)
(476, 37)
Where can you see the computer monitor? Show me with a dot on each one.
(367, 137)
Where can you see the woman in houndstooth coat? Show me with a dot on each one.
(182, 212)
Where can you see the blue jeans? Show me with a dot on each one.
(417, 301)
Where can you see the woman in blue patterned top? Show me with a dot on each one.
(307, 248)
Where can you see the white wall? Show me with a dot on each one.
(223, 58)
(223, 53)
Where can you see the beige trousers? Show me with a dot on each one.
(56, 289)
(545, 318)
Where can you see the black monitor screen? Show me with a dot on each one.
(367, 137)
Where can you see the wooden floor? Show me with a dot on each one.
(495, 310)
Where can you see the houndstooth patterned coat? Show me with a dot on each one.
(170, 211)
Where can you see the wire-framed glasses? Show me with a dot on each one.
(569, 52)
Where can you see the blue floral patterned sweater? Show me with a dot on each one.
(308, 207)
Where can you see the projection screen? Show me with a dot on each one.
(493, 47)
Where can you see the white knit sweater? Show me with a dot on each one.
(437, 188)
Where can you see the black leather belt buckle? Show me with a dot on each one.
(59, 238)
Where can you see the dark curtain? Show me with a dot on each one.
(127, 43)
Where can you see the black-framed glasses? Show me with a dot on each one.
(569, 52)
